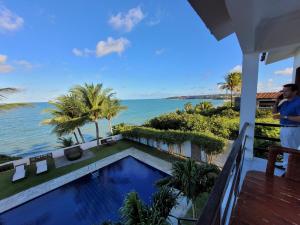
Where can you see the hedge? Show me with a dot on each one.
(210, 143)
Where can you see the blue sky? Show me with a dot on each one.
(141, 49)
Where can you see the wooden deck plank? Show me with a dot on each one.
(264, 200)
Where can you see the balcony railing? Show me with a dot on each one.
(261, 149)
(218, 208)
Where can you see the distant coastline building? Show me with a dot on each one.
(266, 100)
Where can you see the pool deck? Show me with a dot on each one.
(36, 191)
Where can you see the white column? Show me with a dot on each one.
(296, 64)
(248, 98)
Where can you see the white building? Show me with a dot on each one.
(271, 27)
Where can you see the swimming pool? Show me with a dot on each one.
(89, 200)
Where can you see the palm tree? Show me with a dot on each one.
(112, 107)
(93, 98)
(203, 106)
(191, 179)
(188, 107)
(136, 212)
(8, 106)
(232, 83)
(65, 142)
(68, 115)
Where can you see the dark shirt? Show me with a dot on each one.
(290, 108)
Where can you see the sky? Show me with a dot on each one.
(142, 49)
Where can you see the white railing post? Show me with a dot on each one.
(296, 65)
(248, 98)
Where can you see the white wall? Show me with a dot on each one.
(60, 152)
(186, 147)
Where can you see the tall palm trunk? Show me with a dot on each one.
(75, 135)
(193, 209)
(97, 133)
(110, 126)
(231, 97)
(80, 134)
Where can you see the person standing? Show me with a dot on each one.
(288, 107)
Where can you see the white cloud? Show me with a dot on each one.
(111, 46)
(83, 52)
(9, 21)
(237, 68)
(25, 64)
(159, 51)
(155, 19)
(285, 72)
(269, 86)
(153, 22)
(4, 67)
(127, 21)
(3, 58)
(77, 52)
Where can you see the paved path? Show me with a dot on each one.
(63, 161)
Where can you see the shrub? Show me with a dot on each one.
(210, 143)
(264, 113)
(271, 132)
(119, 128)
(170, 121)
(224, 127)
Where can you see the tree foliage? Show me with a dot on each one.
(210, 143)
(135, 212)
(191, 179)
(233, 82)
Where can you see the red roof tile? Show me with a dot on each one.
(267, 95)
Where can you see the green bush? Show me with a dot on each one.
(119, 128)
(264, 113)
(224, 127)
(210, 143)
(170, 121)
(272, 132)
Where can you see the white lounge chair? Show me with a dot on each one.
(41, 167)
(19, 173)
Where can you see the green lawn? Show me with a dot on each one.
(8, 188)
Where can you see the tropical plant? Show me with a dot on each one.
(191, 179)
(65, 142)
(111, 108)
(93, 98)
(163, 201)
(210, 143)
(68, 114)
(136, 212)
(203, 106)
(8, 106)
(232, 83)
(188, 107)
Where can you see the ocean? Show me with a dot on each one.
(22, 133)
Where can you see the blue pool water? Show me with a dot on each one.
(89, 200)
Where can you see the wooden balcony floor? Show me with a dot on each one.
(264, 200)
